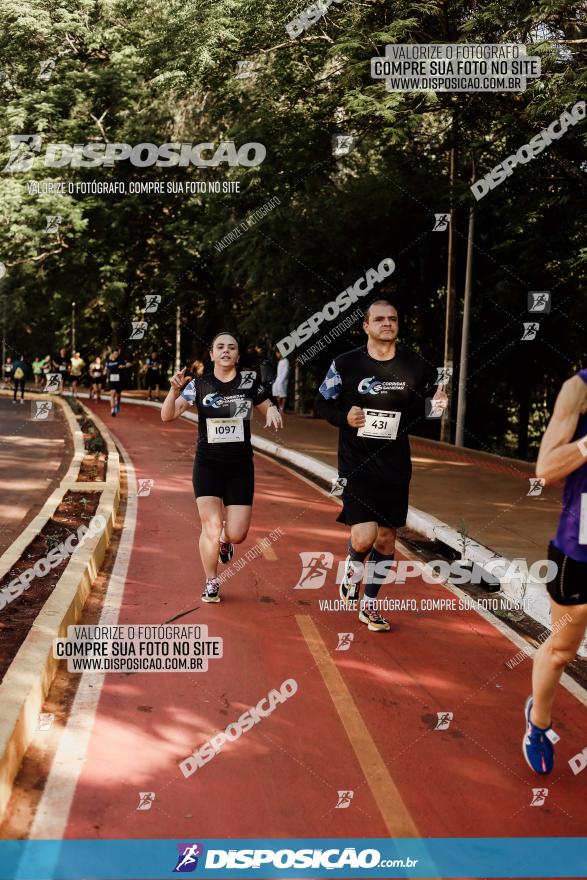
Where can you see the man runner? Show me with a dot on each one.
(19, 373)
(62, 366)
(374, 394)
(76, 371)
(563, 453)
(153, 374)
(116, 367)
(223, 476)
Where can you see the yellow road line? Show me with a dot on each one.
(398, 820)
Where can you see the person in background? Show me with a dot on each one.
(46, 366)
(62, 366)
(117, 368)
(19, 374)
(267, 368)
(7, 372)
(197, 368)
(153, 371)
(38, 371)
(97, 378)
(76, 370)
(280, 384)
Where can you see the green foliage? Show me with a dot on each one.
(165, 71)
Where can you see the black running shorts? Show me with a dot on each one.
(233, 481)
(569, 587)
(367, 501)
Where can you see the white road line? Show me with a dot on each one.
(53, 810)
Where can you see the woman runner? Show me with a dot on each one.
(223, 475)
(97, 378)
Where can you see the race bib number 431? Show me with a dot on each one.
(380, 424)
(225, 430)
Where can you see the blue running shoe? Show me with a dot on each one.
(538, 744)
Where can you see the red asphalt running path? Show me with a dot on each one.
(362, 720)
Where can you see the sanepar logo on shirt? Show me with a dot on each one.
(371, 385)
(215, 399)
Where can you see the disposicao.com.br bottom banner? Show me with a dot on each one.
(304, 858)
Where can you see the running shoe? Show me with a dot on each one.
(375, 622)
(211, 591)
(226, 552)
(113, 411)
(349, 590)
(538, 744)
(117, 407)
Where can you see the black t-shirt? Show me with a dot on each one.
(399, 386)
(116, 370)
(224, 414)
(62, 365)
(152, 364)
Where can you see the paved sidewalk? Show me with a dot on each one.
(34, 456)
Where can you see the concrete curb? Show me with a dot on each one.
(27, 681)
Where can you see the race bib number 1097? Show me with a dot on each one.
(225, 430)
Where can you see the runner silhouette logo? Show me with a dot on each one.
(187, 860)
(314, 568)
(539, 796)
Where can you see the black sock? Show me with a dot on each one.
(374, 581)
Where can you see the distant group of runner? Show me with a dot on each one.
(110, 373)
(113, 373)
